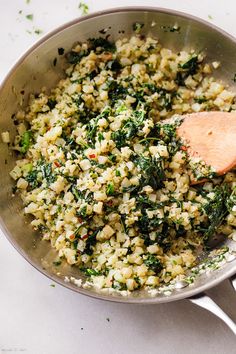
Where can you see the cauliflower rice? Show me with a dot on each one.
(108, 183)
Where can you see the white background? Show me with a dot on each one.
(36, 318)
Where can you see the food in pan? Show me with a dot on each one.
(106, 180)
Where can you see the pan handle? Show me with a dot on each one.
(209, 301)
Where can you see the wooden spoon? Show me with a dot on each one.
(211, 136)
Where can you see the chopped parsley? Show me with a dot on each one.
(75, 57)
(38, 31)
(152, 171)
(57, 263)
(110, 189)
(137, 26)
(84, 8)
(30, 17)
(51, 103)
(90, 271)
(191, 65)
(26, 141)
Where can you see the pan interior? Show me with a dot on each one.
(42, 66)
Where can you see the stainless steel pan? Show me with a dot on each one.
(42, 66)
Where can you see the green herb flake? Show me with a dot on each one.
(32, 179)
(152, 171)
(26, 141)
(30, 17)
(52, 285)
(200, 99)
(75, 57)
(46, 170)
(216, 209)
(61, 51)
(118, 174)
(100, 137)
(137, 26)
(102, 44)
(56, 263)
(51, 103)
(84, 8)
(112, 158)
(90, 271)
(153, 263)
(191, 65)
(210, 17)
(38, 31)
(110, 189)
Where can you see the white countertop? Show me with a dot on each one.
(36, 318)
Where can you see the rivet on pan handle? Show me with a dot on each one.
(205, 301)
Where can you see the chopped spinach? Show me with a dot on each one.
(144, 202)
(190, 67)
(200, 99)
(51, 103)
(113, 65)
(216, 209)
(116, 91)
(152, 171)
(103, 44)
(165, 98)
(92, 126)
(153, 263)
(82, 212)
(131, 189)
(76, 193)
(147, 225)
(129, 129)
(46, 169)
(56, 263)
(61, 51)
(112, 158)
(119, 138)
(90, 242)
(32, 179)
(75, 57)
